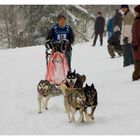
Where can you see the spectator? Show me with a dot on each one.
(114, 43)
(126, 36)
(99, 28)
(117, 20)
(136, 44)
(110, 27)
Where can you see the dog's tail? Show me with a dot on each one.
(83, 78)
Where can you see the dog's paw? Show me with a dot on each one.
(88, 118)
(80, 120)
(73, 120)
(92, 118)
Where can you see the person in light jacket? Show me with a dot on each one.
(126, 36)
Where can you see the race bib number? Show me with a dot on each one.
(61, 36)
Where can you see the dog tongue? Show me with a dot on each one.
(41, 92)
(71, 84)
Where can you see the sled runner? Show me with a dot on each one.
(57, 66)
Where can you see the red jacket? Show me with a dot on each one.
(136, 38)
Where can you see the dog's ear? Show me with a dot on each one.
(86, 85)
(92, 85)
(74, 71)
(47, 82)
(68, 72)
(86, 88)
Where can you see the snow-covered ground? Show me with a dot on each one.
(118, 111)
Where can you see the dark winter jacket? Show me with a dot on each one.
(117, 20)
(115, 39)
(99, 24)
(57, 33)
(136, 38)
(110, 25)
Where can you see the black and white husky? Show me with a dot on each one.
(75, 80)
(91, 99)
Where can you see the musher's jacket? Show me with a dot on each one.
(57, 34)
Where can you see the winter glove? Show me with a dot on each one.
(53, 50)
(64, 45)
(125, 40)
(48, 44)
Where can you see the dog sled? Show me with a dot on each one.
(56, 62)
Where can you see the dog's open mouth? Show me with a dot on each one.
(43, 92)
(71, 82)
(44, 95)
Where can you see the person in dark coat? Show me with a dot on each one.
(60, 32)
(114, 43)
(99, 28)
(136, 44)
(117, 20)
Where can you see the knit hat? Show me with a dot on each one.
(60, 16)
(124, 6)
(137, 9)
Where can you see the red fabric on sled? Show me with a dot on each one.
(57, 68)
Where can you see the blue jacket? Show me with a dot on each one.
(57, 33)
(110, 25)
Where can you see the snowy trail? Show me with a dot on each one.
(20, 71)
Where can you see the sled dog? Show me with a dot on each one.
(45, 91)
(74, 99)
(91, 99)
(75, 80)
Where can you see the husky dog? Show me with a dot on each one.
(45, 91)
(75, 80)
(91, 99)
(74, 99)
